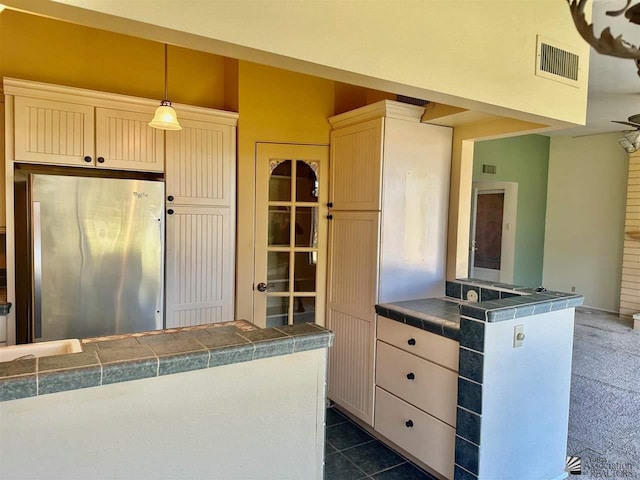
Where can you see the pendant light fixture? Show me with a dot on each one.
(165, 117)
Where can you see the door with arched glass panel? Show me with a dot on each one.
(291, 234)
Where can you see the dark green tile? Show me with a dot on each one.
(273, 348)
(264, 334)
(487, 294)
(184, 362)
(337, 467)
(453, 290)
(90, 347)
(300, 329)
(470, 395)
(346, 435)
(123, 342)
(73, 379)
(310, 342)
(130, 370)
(471, 364)
(467, 455)
(468, 425)
(136, 352)
(406, 471)
(172, 347)
(472, 334)
(229, 355)
(70, 360)
(154, 339)
(334, 417)
(18, 367)
(221, 340)
(373, 457)
(461, 474)
(18, 387)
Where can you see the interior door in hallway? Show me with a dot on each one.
(291, 234)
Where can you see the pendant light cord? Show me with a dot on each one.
(166, 74)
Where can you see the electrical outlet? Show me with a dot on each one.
(518, 336)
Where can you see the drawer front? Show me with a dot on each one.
(438, 349)
(426, 385)
(428, 439)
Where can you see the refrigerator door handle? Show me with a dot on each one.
(37, 270)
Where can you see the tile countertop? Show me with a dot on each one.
(121, 358)
(502, 302)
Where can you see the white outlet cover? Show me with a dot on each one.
(472, 296)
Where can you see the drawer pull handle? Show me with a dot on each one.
(409, 423)
(411, 341)
(410, 376)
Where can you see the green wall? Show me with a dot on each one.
(524, 160)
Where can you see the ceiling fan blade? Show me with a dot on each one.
(634, 125)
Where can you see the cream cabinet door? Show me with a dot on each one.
(356, 153)
(53, 132)
(125, 141)
(352, 294)
(199, 272)
(201, 170)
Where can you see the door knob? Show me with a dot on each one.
(87, 159)
(100, 159)
(262, 287)
(411, 376)
(409, 423)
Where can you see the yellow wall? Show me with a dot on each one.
(275, 106)
(472, 54)
(36, 48)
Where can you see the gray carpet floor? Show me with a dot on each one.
(604, 416)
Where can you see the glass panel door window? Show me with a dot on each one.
(291, 238)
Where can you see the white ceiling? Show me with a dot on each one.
(614, 84)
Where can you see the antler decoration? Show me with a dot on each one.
(607, 44)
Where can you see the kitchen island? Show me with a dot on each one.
(489, 380)
(214, 401)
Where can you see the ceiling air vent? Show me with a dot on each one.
(411, 101)
(557, 62)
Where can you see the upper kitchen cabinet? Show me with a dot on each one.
(55, 125)
(356, 152)
(201, 169)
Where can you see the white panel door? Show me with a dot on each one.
(53, 132)
(125, 141)
(201, 164)
(200, 262)
(352, 294)
(356, 153)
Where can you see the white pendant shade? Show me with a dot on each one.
(165, 117)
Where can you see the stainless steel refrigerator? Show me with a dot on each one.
(89, 256)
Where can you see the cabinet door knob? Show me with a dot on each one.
(170, 211)
(87, 159)
(100, 159)
(409, 423)
(330, 204)
(329, 217)
(411, 341)
(170, 198)
(410, 376)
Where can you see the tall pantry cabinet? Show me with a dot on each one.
(387, 235)
(200, 220)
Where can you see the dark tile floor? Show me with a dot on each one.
(351, 454)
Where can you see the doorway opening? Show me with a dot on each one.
(493, 231)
